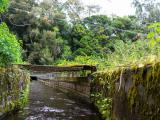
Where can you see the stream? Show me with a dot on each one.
(46, 103)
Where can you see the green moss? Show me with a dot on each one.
(102, 89)
(132, 96)
(141, 85)
(24, 96)
(13, 85)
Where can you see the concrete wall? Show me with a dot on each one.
(72, 85)
(70, 82)
(128, 93)
(14, 89)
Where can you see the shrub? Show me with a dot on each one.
(3, 5)
(10, 50)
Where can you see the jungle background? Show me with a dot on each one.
(52, 32)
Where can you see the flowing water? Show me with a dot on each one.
(46, 103)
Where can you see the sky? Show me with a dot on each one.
(110, 7)
(113, 7)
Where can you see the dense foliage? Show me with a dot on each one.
(10, 50)
(49, 38)
(101, 31)
(40, 26)
(54, 33)
(3, 5)
(147, 10)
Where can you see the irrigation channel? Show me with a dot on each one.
(46, 103)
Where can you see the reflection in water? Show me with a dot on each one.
(46, 103)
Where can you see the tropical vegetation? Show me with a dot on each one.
(57, 33)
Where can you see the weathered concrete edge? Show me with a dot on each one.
(112, 78)
(25, 77)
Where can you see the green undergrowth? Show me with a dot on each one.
(127, 53)
(102, 91)
(10, 49)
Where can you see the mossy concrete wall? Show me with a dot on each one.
(14, 90)
(79, 86)
(128, 93)
(73, 83)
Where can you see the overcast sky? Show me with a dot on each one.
(116, 7)
(111, 7)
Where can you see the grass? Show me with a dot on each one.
(125, 54)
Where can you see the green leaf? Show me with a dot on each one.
(158, 29)
(10, 49)
(3, 5)
(152, 42)
(150, 35)
(158, 39)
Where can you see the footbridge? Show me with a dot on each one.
(71, 79)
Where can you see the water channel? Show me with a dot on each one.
(47, 103)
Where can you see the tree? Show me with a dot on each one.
(41, 26)
(94, 35)
(147, 10)
(92, 9)
(74, 9)
(126, 28)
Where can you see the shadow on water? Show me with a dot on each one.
(46, 103)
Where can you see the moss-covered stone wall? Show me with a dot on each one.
(128, 93)
(14, 89)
